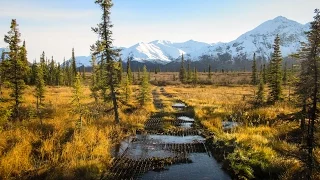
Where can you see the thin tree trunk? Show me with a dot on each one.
(110, 68)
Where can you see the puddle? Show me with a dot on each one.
(229, 124)
(179, 106)
(187, 125)
(202, 167)
(185, 118)
(147, 146)
(180, 155)
(165, 139)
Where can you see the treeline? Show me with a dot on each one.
(107, 80)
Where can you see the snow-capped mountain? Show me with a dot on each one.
(258, 40)
(261, 39)
(161, 51)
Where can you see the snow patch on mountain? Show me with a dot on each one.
(161, 51)
(260, 40)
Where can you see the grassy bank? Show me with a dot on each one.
(268, 142)
(59, 147)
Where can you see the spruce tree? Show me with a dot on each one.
(94, 84)
(130, 75)
(182, 72)
(126, 90)
(275, 72)
(39, 90)
(73, 64)
(254, 70)
(109, 53)
(17, 67)
(52, 73)
(77, 98)
(24, 59)
(120, 70)
(209, 72)
(33, 73)
(195, 76)
(260, 94)
(144, 95)
(59, 77)
(308, 86)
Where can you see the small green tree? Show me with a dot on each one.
(182, 72)
(195, 76)
(254, 70)
(129, 72)
(144, 95)
(77, 98)
(39, 90)
(126, 89)
(260, 94)
(209, 72)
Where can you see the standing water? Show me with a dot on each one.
(182, 154)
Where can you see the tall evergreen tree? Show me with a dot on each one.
(104, 31)
(275, 72)
(33, 73)
(24, 59)
(73, 64)
(58, 74)
(52, 74)
(17, 67)
(182, 72)
(254, 70)
(308, 86)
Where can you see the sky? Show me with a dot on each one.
(57, 26)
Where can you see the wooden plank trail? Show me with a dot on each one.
(124, 167)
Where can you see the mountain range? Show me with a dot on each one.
(259, 41)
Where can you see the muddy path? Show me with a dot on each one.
(171, 147)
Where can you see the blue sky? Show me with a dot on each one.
(57, 26)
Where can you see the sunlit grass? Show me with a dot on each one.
(58, 147)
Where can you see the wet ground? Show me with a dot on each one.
(161, 154)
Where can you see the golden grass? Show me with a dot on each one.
(214, 104)
(58, 148)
